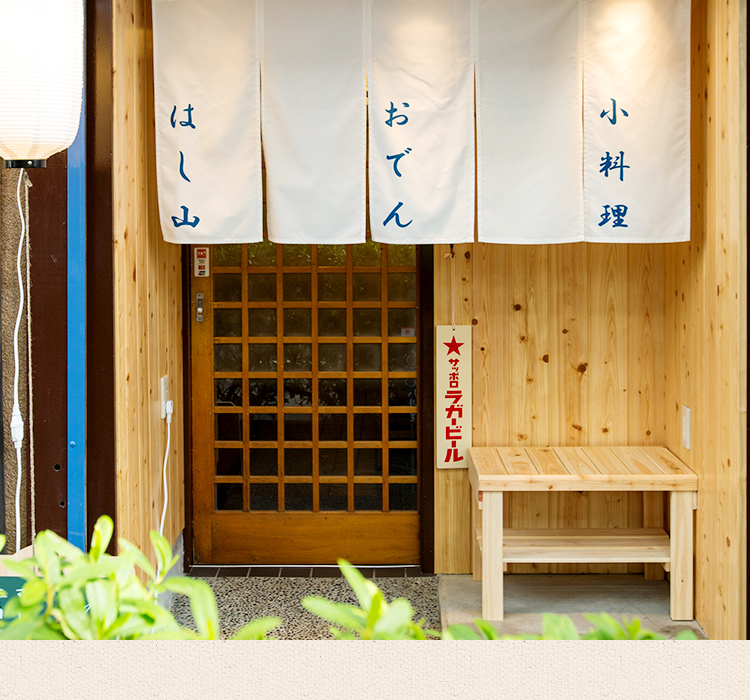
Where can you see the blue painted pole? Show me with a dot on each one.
(77, 337)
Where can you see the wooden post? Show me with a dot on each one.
(492, 555)
(681, 555)
(476, 521)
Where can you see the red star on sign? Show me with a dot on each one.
(453, 346)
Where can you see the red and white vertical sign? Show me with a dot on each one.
(453, 396)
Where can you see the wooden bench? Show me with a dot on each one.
(495, 470)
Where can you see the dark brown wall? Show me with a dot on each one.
(48, 221)
(100, 375)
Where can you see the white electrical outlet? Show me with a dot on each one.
(686, 427)
(164, 395)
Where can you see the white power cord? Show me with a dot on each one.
(169, 410)
(16, 421)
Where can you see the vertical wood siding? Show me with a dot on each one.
(148, 306)
(568, 349)
(706, 312)
(602, 345)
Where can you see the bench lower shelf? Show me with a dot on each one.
(648, 546)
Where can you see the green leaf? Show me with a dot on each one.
(339, 613)
(25, 568)
(377, 608)
(486, 629)
(173, 635)
(44, 632)
(63, 548)
(416, 632)
(52, 571)
(101, 537)
(202, 603)
(686, 635)
(163, 551)
(460, 632)
(558, 627)
(72, 615)
(2, 542)
(79, 575)
(25, 628)
(101, 597)
(342, 635)
(258, 629)
(605, 628)
(33, 592)
(43, 551)
(395, 621)
(13, 608)
(358, 583)
(137, 557)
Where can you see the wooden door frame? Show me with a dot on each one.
(426, 404)
(425, 382)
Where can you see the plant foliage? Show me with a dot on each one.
(561, 627)
(375, 619)
(70, 594)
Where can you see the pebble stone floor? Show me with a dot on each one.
(242, 596)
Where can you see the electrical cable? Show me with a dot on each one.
(169, 409)
(16, 422)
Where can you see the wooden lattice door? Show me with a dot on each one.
(304, 405)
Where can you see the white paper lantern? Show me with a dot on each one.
(41, 78)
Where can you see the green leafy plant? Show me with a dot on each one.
(375, 619)
(70, 594)
(561, 627)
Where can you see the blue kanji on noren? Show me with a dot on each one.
(613, 118)
(185, 221)
(608, 163)
(615, 214)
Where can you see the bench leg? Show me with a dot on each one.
(492, 555)
(653, 516)
(476, 523)
(681, 555)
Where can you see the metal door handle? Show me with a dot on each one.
(199, 307)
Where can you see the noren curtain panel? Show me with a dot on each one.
(512, 121)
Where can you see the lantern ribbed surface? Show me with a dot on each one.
(41, 76)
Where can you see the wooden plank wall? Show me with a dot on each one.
(568, 350)
(706, 314)
(148, 307)
(603, 344)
